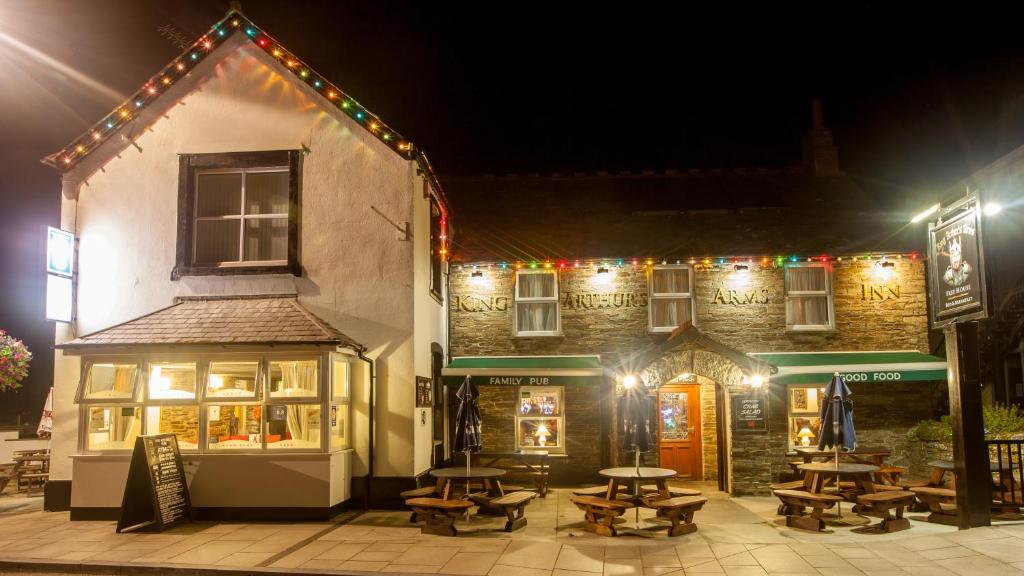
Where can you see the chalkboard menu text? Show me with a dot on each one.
(156, 494)
(750, 414)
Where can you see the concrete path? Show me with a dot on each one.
(737, 537)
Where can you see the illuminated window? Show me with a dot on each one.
(671, 302)
(808, 296)
(339, 407)
(291, 426)
(804, 414)
(234, 427)
(436, 249)
(172, 381)
(539, 419)
(536, 312)
(232, 380)
(294, 379)
(182, 421)
(110, 381)
(112, 427)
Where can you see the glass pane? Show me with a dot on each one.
(805, 278)
(232, 380)
(540, 433)
(540, 401)
(537, 317)
(266, 193)
(807, 311)
(339, 426)
(266, 239)
(110, 380)
(217, 241)
(113, 427)
(234, 427)
(172, 380)
(536, 285)
(803, 399)
(670, 312)
(671, 281)
(675, 416)
(339, 384)
(219, 195)
(182, 421)
(804, 430)
(293, 379)
(293, 426)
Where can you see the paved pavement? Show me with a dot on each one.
(737, 537)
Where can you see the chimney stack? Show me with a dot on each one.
(820, 156)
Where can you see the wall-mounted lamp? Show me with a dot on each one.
(477, 274)
(756, 381)
(602, 270)
(629, 380)
(887, 264)
(741, 267)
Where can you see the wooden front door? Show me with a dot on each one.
(679, 430)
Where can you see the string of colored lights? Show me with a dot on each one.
(232, 23)
(747, 261)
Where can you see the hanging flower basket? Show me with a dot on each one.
(14, 359)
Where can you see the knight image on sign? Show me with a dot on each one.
(957, 269)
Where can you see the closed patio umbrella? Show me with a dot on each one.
(837, 418)
(467, 421)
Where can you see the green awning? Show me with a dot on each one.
(524, 370)
(818, 367)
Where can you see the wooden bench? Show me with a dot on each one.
(783, 509)
(673, 491)
(882, 502)
(797, 500)
(679, 510)
(889, 475)
(600, 513)
(35, 479)
(438, 515)
(940, 501)
(514, 504)
(526, 466)
(424, 492)
(598, 491)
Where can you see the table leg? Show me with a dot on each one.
(494, 488)
(613, 489)
(446, 488)
(662, 485)
(936, 477)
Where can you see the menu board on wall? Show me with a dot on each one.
(750, 413)
(156, 494)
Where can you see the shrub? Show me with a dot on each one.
(1002, 421)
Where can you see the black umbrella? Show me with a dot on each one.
(467, 421)
(635, 412)
(837, 418)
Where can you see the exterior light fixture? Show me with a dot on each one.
(629, 380)
(602, 270)
(931, 210)
(887, 264)
(992, 208)
(741, 267)
(477, 274)
(756, 381)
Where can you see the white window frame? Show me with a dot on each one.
(808, 414)
(527, 300)
(669, 296)
(804, 293)
(560, 418)
(242, 216)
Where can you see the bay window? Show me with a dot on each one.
(671, 297)
(536, 311)
(808, 296)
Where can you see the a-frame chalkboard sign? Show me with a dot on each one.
(156, 494)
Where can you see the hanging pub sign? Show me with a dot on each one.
(156, 494)
(957, 264)
(750, 413)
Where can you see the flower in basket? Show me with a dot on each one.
(14, 359)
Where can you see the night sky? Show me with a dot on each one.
(916, 99)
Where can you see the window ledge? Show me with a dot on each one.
(529, 336)
(791, 330)
(180, 271)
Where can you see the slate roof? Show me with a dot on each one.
(675, 214)
(220, 321)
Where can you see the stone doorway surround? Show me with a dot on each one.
(690, 355)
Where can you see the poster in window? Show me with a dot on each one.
(424, 392)
(278, 413)
(957, 267)
(799, 402)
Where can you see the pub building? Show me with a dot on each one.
(732, 295)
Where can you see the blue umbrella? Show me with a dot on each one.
(467, 421)
(837, 418)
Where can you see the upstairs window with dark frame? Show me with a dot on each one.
(238, 213)
(437, 241)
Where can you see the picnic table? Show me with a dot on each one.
(31, 467)
(633, 475)
(520, 465)
(872, 456)
(818, 474)
(489, 477)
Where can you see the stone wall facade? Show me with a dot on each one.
(874, 308)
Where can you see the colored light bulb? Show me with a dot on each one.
(79, 148)
(179, 66)
(110, 124)
(95, 135)
(195, 56)
(220, 33)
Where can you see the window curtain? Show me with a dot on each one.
(300, 375)
(536, 286)
(810, 279)
(807, 310)
(537, 317)
(298, 422)
(123, 377)
(671, 281)
(671, 311)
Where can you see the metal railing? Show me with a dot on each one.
(1009, 456)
